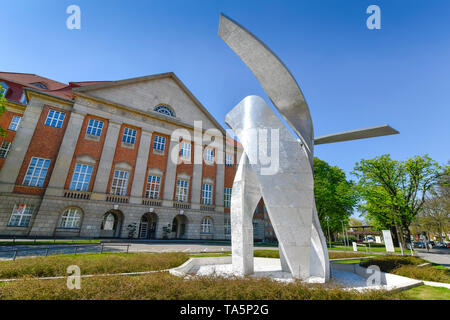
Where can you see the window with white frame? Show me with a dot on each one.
(94, 127)
(21, 216)
(153, 187)
(36, 173)
(81, 177)
(71, 219)
(228, 160)
(14, 125)
(119, 183)
(227, 197)
(4, 149)
(55, 118)
(209, 155)
(207, 193)
(185, 152)
(207, 225)
(129, 135)
(227, 226)
(159, 143)
(182, 191)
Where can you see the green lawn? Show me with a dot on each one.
(367, 249)
(426, 293)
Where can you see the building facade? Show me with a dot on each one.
(137, 158)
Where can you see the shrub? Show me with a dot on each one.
(167, 287)
(90, 263)
(408, 267)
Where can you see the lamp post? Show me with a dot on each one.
(327, 218)
(343, 234)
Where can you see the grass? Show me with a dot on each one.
(408, 267)
(426, 293)
(90, 263)
(40, 242)
(371, 249)
(165, 286)
(332, 255)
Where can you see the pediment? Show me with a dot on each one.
(147, 93)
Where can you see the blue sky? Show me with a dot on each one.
(352, 77)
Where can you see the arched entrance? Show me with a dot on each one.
(179, 227)
(111, 224)
(147, 226)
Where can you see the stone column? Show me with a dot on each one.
(140, 174)
(65, 155)
(171, 172)
(19, 147)
(106, 159)
(196, 187)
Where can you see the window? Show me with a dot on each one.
(164, 110)
(182, 190)
(14, 125)
(23, 98)
(70, 219)
(39, 85)
(159, 143)
(185, 150)
(228, 160)
(55, 119)
(20, 216)
(3, 89)
(4, 149)
(207, 194)
(81, 177)
(227, 226)
(209, 155)
(94, 127)
(227, 197)
(37, 170)
(153, 185)
(109, 221)
(120, 183)
(206, 226)
(129, 135)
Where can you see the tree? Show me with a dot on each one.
(435, 214)
(393, 192)
(3, 132)
(354, 222)
(335, 196)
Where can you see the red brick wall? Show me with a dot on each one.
(124, 154)
(158, 161)
(186, 168)
(209, 171)
(88, 147)
(45, 143)
(5, 120)
(230, 172)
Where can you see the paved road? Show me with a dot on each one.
(436, 255)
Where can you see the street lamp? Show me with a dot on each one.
(327, 218)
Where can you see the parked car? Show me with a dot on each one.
(419, 244)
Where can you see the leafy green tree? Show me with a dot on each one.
(3, 132)
(335, 196)
(393, 192)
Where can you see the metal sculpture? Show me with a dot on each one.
(288, 194)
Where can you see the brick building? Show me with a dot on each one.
(94, 159)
